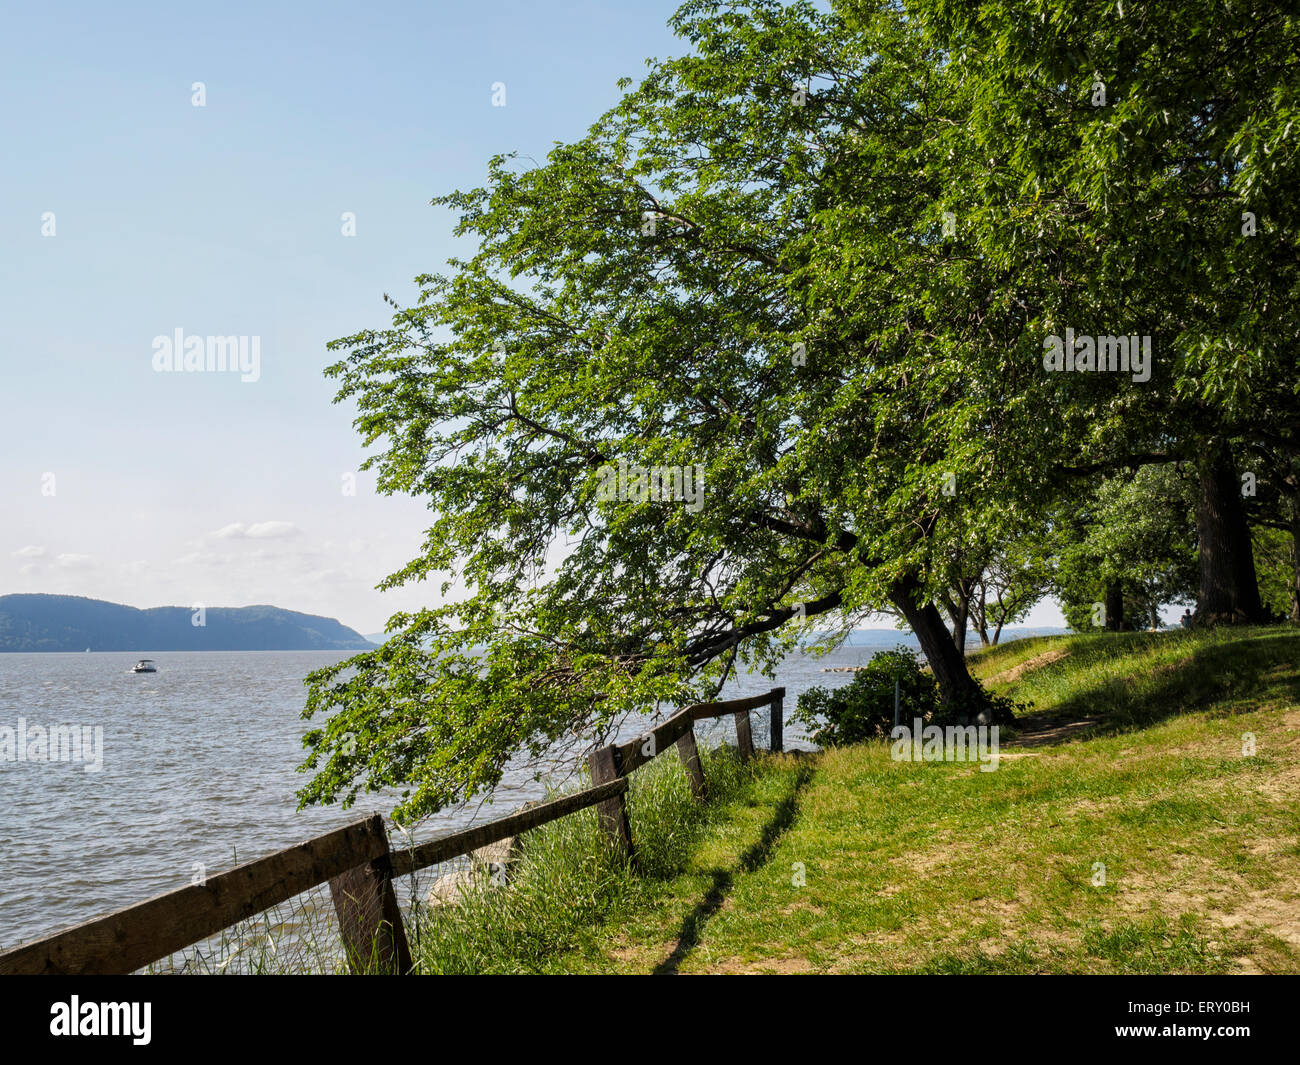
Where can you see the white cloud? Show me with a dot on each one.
(72, 561)
(259, 530)
(201, 558)
(269, 529)
(30, 551)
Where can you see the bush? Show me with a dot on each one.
(863, 709)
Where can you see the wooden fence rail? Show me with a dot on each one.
(617, 761)
(359, 867)
(138, 935)
(471, 839)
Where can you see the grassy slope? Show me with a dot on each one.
(1132, 758)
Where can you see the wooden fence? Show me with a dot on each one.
(359, 867)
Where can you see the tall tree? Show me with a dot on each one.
(737, 274)
(1149, 159)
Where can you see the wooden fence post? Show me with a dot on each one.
(744, 738)
(690, 755)
(369, 920)
(778, 719)
(604, 766)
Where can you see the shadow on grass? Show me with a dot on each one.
(1256, 667)
(783, 816)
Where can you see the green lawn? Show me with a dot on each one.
(848, 861)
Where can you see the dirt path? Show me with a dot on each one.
(1027, 666)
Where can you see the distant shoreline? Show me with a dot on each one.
(69, 624)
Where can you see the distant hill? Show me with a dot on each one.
(73, 623)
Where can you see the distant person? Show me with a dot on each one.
(1186, 620)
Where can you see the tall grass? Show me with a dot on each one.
(568, 881)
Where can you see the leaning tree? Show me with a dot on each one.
(741, 274)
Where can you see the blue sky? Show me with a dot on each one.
(226, 219)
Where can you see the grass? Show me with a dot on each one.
(568, 884)
(1126, 830)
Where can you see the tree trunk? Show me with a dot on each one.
(959, 624)
(1114, 606)
(981, 608)
(956, 686)
(1229, 593)
(959, 611)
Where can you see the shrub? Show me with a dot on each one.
(863, 709)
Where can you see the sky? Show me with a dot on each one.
(189, 167)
